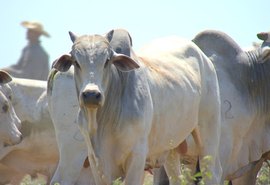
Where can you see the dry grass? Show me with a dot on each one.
(263, 178)
(42, 180)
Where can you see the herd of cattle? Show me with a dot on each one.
(108, 112)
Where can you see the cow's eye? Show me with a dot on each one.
(5, 107)
(107, 62)
(76, 64)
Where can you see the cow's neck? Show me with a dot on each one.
(258, 82)
(110, 111)
(26, 94)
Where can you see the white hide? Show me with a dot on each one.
(172, 88)
(38, 150)
(9, 122)
(63, 107)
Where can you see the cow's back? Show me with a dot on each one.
(178, 70)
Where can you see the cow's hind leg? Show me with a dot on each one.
(70, 165)
(209, 125)
(160, 176)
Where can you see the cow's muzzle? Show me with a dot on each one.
(92, 98)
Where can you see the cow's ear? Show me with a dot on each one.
(262, 36)
(63, 63)
(109, 35)
(4, 77)
(130, 39)
(124, 63)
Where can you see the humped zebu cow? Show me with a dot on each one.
(10, 123)
(63, 111)
(243, 81)
(37, 153)
(250, 176)
(134, 113)
(243, 86)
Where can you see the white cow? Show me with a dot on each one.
(37, 153)
(9, 122)
(128, 116)
(63, 111)
(244, 85)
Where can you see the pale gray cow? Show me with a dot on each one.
(250, 176)
(134, 113)
(243, 80)
(31, 155)
(9, 122)
(228, 47)
(72, 150)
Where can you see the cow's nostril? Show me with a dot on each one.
(85, 94)
(98, 96)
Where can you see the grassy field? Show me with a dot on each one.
(41, 180)
(263, 178)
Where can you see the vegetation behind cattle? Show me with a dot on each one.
(263, 177)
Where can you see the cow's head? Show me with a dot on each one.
(9, 122)
(265, 37)
(94, 61)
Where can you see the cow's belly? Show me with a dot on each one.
(173, 121)
(236, 119)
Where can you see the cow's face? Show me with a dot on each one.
(9, 122)
(9, 133)
(93, 59)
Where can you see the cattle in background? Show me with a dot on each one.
(128, 116)
(247, 174)
(265, 37)
(31, 156)
(10, 123)
(63, 111)
(244, 88)
(250, 176)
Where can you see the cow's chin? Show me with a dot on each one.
(92, 107)
(92, 120)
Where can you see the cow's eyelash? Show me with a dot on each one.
(107, 62)
(77, 64)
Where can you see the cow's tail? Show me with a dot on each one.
(50, 80)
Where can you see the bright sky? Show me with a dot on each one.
(144, 19)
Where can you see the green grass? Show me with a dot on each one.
(28, 180)
(263, 177)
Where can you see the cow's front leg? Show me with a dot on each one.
(172, 167)
(135, 164)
